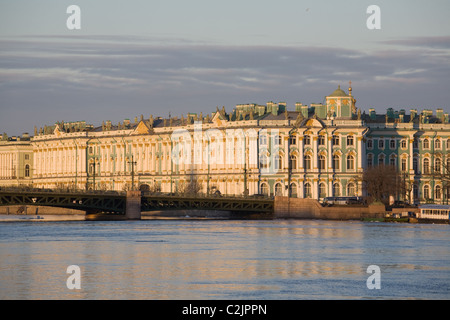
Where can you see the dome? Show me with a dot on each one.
(338, 93)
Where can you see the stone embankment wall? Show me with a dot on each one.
(296, 208)
(36, 210)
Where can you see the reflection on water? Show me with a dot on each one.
(210, 259)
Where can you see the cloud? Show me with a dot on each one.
(442, 42)
(99, 78)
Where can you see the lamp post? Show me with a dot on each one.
(132, 162)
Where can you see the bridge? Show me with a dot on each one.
(130, 204)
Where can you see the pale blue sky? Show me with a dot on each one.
(155, 57)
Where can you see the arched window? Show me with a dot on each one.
(415, 191)
(322, 162)
(404, 165)
(336, 190)
(393, 160)
(426, 144)
(448, 144)
(437, 165)
(437, 144)
(426, 166)
(308, 190)
(350, 162)
(336, 162)
(307, 162)
(351, 190)
(264, 189)
(370, 160)
(322, 190)
(27, 171)
(381, 159)
(293, 190)
(437, 192)
(278, 189)
(293, 162)
(278, 162)
(263, 161)
(426, 192)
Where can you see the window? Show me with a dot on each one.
(426, 166)
(278, 162)
(415, 191)
(437, 144)
(350, 162)
(293, 190)
(351, 189)
(322, 162)
(263, 161)
(307, 162)
(370, 160)
(336, 162)
(393, 160)
(415, 143)
(293, 162)
(350, 141)
(369, 144)
(336, 190)
(27, 157)
(307, 190)
(322, 190)
(415, 165)
(277, 140)
(426, 192)
(307, 140)
(265, 189)
(321, 140)
(292, 140)
(278, 189)
(437, 165)
(437, 192)
(27, 171)
(426, 144)
(381, 159)
(392, 144)
(91, 150)
(336, 141)
(448, 144)
(263, 140)
(381, 144)
(403, 144)
(403, 165)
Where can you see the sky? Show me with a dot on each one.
(133, 57)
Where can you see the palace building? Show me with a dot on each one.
(314, 151)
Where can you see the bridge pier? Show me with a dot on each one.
(133, 205)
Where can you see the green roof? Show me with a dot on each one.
(338, 93)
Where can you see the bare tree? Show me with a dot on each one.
(190, 187)
(381, 182)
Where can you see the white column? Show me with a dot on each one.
(360, 154)
(315, 154)
(300, 154)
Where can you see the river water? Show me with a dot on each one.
(224, 259)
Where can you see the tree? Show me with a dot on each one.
(191, 187)
(441, 173)
(381, 182)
